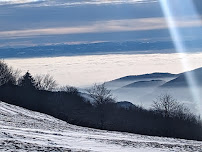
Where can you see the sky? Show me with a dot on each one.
(46, 22)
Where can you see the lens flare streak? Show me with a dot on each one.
(177, 37)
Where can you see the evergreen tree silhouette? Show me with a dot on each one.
(27, 81)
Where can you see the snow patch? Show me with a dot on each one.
(25, 130)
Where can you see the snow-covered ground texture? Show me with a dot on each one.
(23, 130)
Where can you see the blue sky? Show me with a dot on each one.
(45, 22)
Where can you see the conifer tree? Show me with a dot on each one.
(27, 81)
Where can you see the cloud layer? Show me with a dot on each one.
(86, 70)
(41, 22)
(69, 2)
(102, 27)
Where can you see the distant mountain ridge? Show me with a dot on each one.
(80, 49)
(127, 80)
(151, 83)
(125, 105)
(91, 49)
(181, 81)
(143, 89)
(148, 75)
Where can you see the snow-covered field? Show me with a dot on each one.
(24, 130)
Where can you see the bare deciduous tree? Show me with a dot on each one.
(100, 94)
(102, 100)
(7, 74)
(45, 82)
(169, 107)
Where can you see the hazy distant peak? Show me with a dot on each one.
(151, 75)
(181, 80)
(151, 83)
(125, 105)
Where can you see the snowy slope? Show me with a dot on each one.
(24, 130)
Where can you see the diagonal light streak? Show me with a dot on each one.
(168, 9)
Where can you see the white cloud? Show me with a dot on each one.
(70, 2)
(18, 1)
(102, 26)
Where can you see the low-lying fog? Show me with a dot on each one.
(82, 71)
